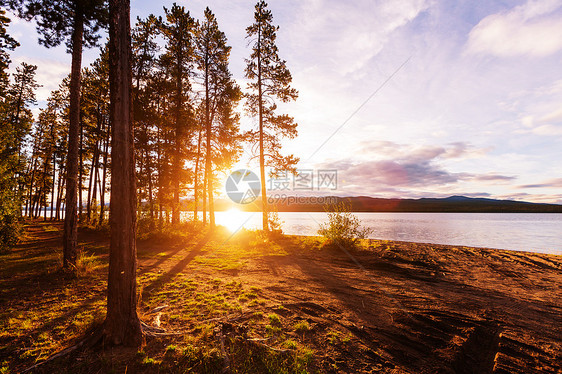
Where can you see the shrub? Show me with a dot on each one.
(274, 223)
(342, 228)
(10, 229)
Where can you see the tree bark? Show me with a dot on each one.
(104, 175)
(80, 171)
(196, 183)
(265, 225)
(177, 150)
(53, 188)
(70, 235)
(60, 188)
(122, 324)
(208, 160)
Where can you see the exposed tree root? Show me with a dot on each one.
(158, 331)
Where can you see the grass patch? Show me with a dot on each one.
(301, 327)
(274, 319)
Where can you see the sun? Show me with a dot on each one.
(232, 219)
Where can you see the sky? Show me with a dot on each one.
(408, 99)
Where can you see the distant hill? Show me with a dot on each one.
(460, 204)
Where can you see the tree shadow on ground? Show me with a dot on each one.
(168, 276)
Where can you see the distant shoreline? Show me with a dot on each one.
(366, 204)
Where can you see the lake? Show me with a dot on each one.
(535, 232)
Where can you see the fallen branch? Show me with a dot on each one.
(157, 309)
(259, 339)
(157, 331)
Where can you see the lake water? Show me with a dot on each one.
(535, 232)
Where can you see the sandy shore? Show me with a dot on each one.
(391, 307)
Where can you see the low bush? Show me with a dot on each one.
(343, 228)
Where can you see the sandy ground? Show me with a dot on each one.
(414, 307)
(402, 307)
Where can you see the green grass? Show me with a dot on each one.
(301, 327)
(35, 325)
(274, 319)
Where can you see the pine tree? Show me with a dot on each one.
(178, 56)
(270, 79)
(77, 23)
(122, 324)
(95, 120)
(6, 43)
(145, 51)
(221, 96)
(20, 95)
(10, 202)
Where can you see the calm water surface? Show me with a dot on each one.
(536, 232)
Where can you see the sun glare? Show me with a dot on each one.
(232, 219)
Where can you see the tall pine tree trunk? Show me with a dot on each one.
(208, 163)
(265, 225)
(94, 202)
(89, 198)
(53, 188)
(60, 189)
(177, 150)
(122, 324)
(70, 235)
(80, 171)
(196, 183)
(205, 198)
(150, 198)
(104, 174)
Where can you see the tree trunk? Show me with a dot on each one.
(51, 217)
(89, 198)
(265, 225)
(44, 187)
(70, 235)
(80, 171)
(104, 175)
(94, 202)
(150, 199)
(205, 198)
(177, 150)
(28, 204)
(93, 176)
(122, 324)
(208, 162)
(160, 178)
(196, 183)
(60, 189)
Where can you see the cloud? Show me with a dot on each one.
(411, 170)
(493, 178)
(535, 198)
(409, 166)
(422, 153)
(394, 173)
(346, 36)
(49, 74)
(547, 130)
(552, 183)
(534, 29)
